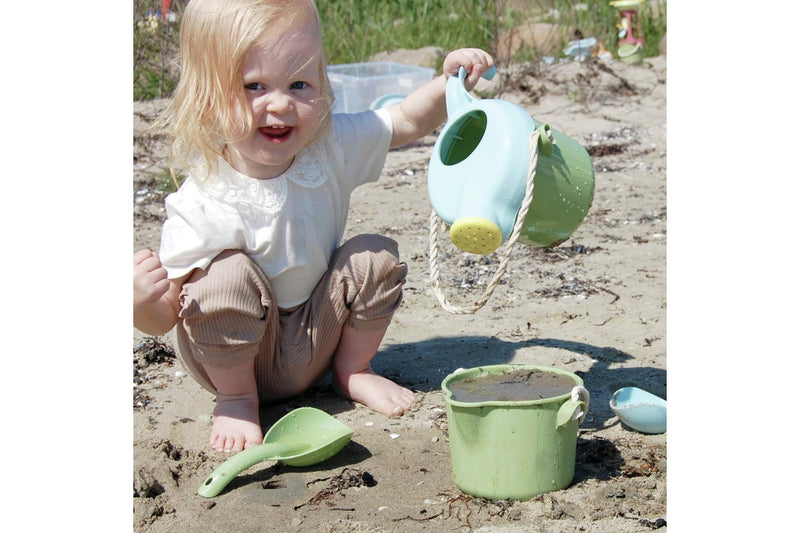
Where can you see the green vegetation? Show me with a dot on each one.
(155, 47)
(356, 29)
(166, 182)
(353, 33)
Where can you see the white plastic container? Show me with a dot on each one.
(362, 86)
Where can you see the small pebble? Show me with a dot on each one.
(393, 436)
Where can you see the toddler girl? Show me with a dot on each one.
(251, 269)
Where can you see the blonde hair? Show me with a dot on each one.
(209, 99)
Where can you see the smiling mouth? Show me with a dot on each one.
(276, 133)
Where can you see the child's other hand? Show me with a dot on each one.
(474, 60)
(150, 281)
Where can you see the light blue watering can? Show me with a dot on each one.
(479, 170)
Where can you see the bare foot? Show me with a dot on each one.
(374, 391)
(236, 424)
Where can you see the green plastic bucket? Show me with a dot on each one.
(501, 449)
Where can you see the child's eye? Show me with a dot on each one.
(255, 86)
(299, 85)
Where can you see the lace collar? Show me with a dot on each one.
(249, 195)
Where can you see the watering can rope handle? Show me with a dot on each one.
(435, 223)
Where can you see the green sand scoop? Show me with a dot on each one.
(304, 437)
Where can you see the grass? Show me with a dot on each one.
(166, 182)
(354, 30)
(353, 34)
(155, 47)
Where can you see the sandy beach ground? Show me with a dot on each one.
(595, 306)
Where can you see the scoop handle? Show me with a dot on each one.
(240, 462)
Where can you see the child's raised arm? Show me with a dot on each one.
(155, 298)
(424, 110)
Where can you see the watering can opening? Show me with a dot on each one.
(461, 139)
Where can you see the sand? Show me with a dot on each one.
(594, 306)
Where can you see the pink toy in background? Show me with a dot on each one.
(630, 46)
(164, 8)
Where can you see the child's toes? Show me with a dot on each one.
(251, 441)
(406, 399)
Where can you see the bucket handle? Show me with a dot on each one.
(575, 408)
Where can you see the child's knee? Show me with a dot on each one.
(373, 279)
(226, 303)
(231, 282)
(375, 256)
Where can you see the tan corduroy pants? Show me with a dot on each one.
(228, 315)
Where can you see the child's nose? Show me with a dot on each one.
(278, 102)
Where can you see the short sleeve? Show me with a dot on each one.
(365, 139)
(195, 232)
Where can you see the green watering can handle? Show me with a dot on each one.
(546, 141)
(575, 408)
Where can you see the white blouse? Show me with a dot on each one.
(289, 225)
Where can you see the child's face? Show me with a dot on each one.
(281, 78)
